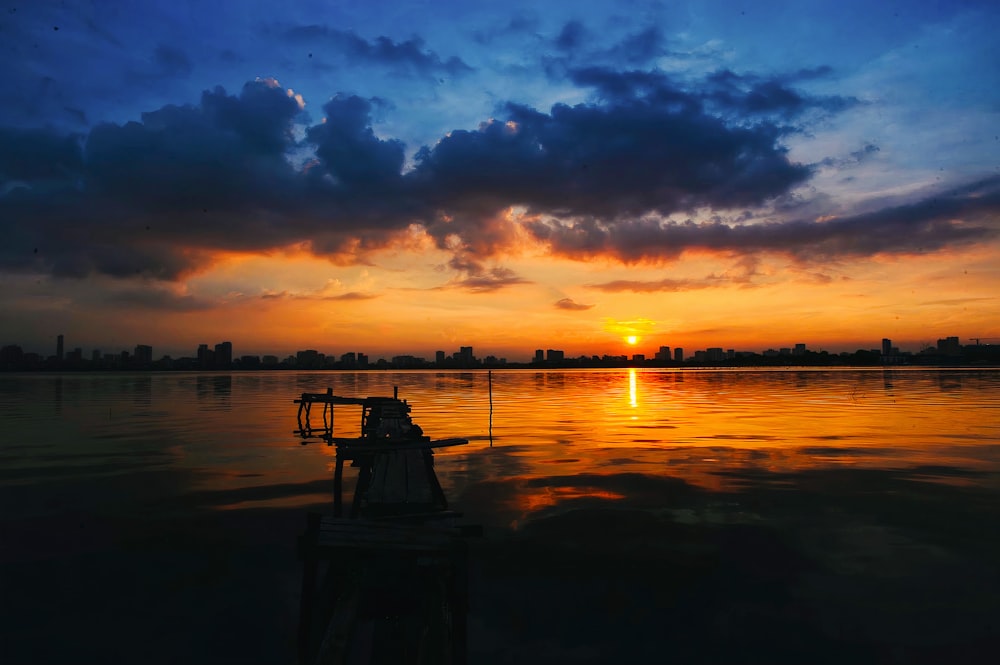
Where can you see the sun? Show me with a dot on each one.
(632, 340)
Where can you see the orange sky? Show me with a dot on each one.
(400, 304)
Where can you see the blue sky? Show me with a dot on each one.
(491, 157)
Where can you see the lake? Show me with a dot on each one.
(630, 515)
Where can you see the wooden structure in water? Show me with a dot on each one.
(388, 582)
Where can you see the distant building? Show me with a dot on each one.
(663, 355)
(408, 362)
(715, 354)
(143, 356)
(309, 359)
(638, 357)
(555, 355)
(269, 361)
(799, 350)
(465, 357)
(75, 357)
(678, 355)
(224, 355)
(251, 362)
(59, 348)
(886, 346)
(439, 357)
(949, 346)
(539, 356)
(206, 357)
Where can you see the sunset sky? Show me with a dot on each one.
(401, 177)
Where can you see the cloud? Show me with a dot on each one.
(757, 95)
(153, 297)
(411, 54)
(610, 160)
(348, 296)
(571, 37)
(479, 279)
(653, 286)
(155, 198)
(960, 217)
(172, 61)
(949, 302)
(572, 305)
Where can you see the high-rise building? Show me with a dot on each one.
(59, 347)
(206, 358)
(224, 355)
(309, 359)
(678, 355)
(143, 356)
(539, 356)
(886, 346)
(949, 346)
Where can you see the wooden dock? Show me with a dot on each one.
(381, 592)
(389, 583)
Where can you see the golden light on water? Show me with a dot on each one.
(632, 399)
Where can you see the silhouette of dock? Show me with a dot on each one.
(389, 582)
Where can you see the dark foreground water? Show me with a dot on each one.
(802, 516)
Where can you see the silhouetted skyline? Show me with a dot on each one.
(222, 356)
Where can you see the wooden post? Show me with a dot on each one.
(307, 551)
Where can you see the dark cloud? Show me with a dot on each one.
(855, 157)
(641, 47)
(571, 305)
(756, 95)
(172, 61)
(156, 197)
(411, 54)
(39, 156)
(142, 198)
(155, 298)
(612, 160)
(350, 151)
(961, 217)
(571, 37)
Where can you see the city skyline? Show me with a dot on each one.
(224, 355)
(389, 178)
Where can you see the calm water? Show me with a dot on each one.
(631, 515)
(714, 429)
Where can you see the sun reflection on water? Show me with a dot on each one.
(632, 398)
